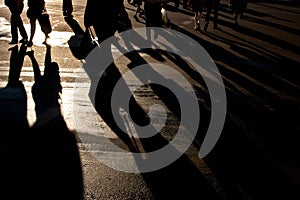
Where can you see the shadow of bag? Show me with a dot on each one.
(82, 44)
(44, 21)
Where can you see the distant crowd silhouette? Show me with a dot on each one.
(118, 19)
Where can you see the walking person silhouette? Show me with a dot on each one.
(197, 7)
(107, 18)
(212, 5)
(16, 8)
(36, 8)
(153, 13)
(238, 8)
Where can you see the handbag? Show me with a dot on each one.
(82, 44)
(44, 21)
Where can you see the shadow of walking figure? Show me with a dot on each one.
(58, 166)
(46, 89)
(13, 123)
(13, 98)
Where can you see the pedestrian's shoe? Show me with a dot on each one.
(67, 13)
(216, 27)
(205, 26)
(13, 42)
(29, 43)
(13, 48)
(23, 41)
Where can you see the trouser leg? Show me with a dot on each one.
(21, 27)
(216, 13)
(14, 27)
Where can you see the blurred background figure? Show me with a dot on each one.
(16, 8)
(153, 13)
(106, 17)
(177, 3)
(197, 7)
(238, 8)
(212, 5)
(165, 18)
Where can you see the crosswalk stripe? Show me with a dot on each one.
(30, 69)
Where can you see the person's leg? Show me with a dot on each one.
(157, 15)
(32, 30)
(22, 30)
(237, 18)
(148, 14)
(14, 28)
(184, 4)
(216, 13)
(67, 8)
(176, 3)
(209, 4)
(197, 21)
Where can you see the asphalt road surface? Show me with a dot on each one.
(85, 154)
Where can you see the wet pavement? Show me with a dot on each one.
(256, 157)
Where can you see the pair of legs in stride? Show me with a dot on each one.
(32, 32)
(197, 18)
(238, 8)
(212, 5)
(197, 7)
(17, 23)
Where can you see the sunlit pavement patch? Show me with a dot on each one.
(4, 29)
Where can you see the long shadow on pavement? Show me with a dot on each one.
(39, 162)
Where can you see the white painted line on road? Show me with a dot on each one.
(186, 22)
(6, 67)
(27, 72)
(30, 74)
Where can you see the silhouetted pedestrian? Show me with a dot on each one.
(106, 18)
(16, 8)
(35, 10)
(238, 7)
(153, 13)
(212, 5)
(197, 7)
(165, 17)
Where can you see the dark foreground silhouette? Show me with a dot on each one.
(39, 162)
